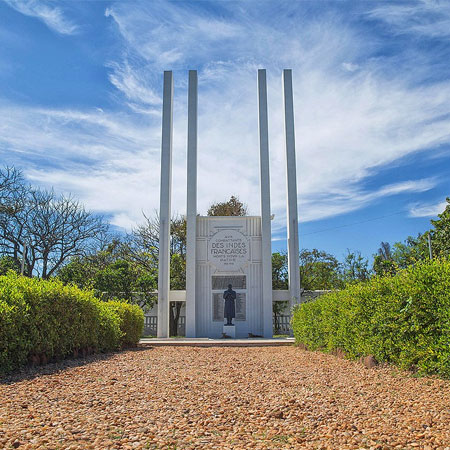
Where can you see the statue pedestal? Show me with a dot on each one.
(230, 331)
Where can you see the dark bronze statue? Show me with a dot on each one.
(229, 310)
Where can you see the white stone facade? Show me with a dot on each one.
(214, 273)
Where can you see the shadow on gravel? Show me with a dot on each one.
(30, 372)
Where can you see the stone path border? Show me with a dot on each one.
(206, 342)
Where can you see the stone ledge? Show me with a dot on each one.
(206, 342)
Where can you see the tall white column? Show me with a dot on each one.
(291, 172)
(164, 211)
(191, 214)
(265, 205)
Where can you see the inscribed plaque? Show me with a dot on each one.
(218, 305)
(241, 307)
(221, 282)
(228, 250)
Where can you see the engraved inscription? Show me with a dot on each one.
(228, 250)
(222, 282)
(218, 304)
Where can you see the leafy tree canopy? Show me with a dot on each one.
(414, 249)
(232, 207)
(279, 271)
(8, 263)
(319, 270)
(440, 236)
(355, 267)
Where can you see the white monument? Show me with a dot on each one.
(223, 251)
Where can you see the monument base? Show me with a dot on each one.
(229, 331)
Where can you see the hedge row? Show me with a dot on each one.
(403, 319)
(43, 320)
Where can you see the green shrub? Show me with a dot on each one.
(402, 319)
(14, 342)
(131, 321)
(47, 319)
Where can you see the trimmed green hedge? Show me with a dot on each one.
(131, 321)
(403, 319)
(42, 320)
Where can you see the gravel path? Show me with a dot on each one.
(207, 398)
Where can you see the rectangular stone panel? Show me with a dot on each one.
(202, 247)
(222, 282)
(256, 249)
(218, 305)
(241, 306)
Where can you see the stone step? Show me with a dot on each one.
(206, 342)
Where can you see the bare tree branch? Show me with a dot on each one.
(54, 228)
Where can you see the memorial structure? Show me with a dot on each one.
(226, 251)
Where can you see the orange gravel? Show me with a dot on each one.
(223, 398)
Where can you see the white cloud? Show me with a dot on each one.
(165, 34)
(350, 124)
(107, 160)
(427, 210)
(354, 198)
(426, 17)
(350, 67)
(51, 15)
(133, 84)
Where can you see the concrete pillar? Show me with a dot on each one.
(164, 211)
(191, 214)
(291, 175)
(265, 205)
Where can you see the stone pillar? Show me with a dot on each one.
(164, 211)
(291, 175)
(191, 214)
(265, 205)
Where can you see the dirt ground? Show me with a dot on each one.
(222, 398)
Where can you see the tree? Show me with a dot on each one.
(440, 236)
(384, 267)
(117, 279)
(47, 229)
(233, 207)
(110, 275)
(79, 271)
(277, 309)
(12, 191)
(8, 263)
(60, 228)
(279, 271)
(412, 250)
(83, 270)
(385, 251)
(177, 282)
(143, 248)
(14, 194)
(142, 245)
(355, 267)
(383, 262)
(319, 270)
(178, 236)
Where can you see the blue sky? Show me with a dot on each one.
(80, 104)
